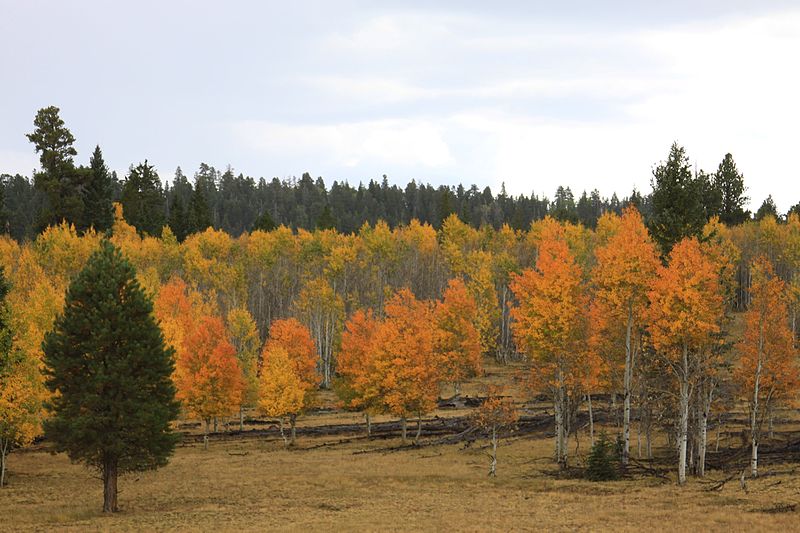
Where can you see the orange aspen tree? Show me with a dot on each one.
(625, 268)
(767, 369)
(457, 340)
(295, 339)
(281, 392)
(207, 374)
(406, 360)
(685, 313)
(360, 383)
(549, 323)
(495, 413)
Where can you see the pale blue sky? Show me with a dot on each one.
(536, 94)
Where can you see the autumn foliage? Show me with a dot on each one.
(207, 372)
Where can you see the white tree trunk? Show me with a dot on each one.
(754, 406)
(283, 434)
(4, 445)
(628, 378)
(683, 427)
(591, 418)
(404, 429)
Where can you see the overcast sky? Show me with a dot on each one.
(534, 94)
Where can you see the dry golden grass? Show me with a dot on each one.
(256, 485)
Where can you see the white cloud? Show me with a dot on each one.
(388, 142)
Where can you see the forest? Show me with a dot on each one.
(653, 318)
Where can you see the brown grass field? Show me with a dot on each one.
(352, 483)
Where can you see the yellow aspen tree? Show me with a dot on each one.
(624, 271)
(281, 393)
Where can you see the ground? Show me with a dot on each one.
(348, 482)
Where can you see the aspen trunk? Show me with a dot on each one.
(755, 406)
(4, 445)
(683, 427)
(493, 464)
(591, 418)
(703, 440)
(205, 434)
(561, 423)
(216, 425)
(292, 423)
(283, 434)
(626, 416)
(456, 389)
(110, 486)
(404, 429)
(419, 428)
(369, 424)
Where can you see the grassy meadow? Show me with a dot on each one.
(346, 483)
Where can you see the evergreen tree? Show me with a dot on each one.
(110, 372)
(143, 199)
(59, 180)
(199, 213)
(97, 199)
(5, 226)
(326, 220)
(563, 206)
(177, 218)
(730, 183)
(603, 461)
(264, 222)
(677, 202)
(768, 208)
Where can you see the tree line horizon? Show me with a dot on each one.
(235, 203)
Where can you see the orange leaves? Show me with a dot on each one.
(296, 340)
(405, 354)
(686, 299)
(549, 318)
(457, 341)
(391, 365)
(766, 351)
(626, 265)
(207, 373)
(357, 363)
(288, 369)
(496, 411)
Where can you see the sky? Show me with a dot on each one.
(533, 94)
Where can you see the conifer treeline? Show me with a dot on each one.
(235, 203)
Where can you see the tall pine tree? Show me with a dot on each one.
(110, 372)
(60, 182)
(143, 199)
(98, 208)
(677, 200)
(730, 183)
